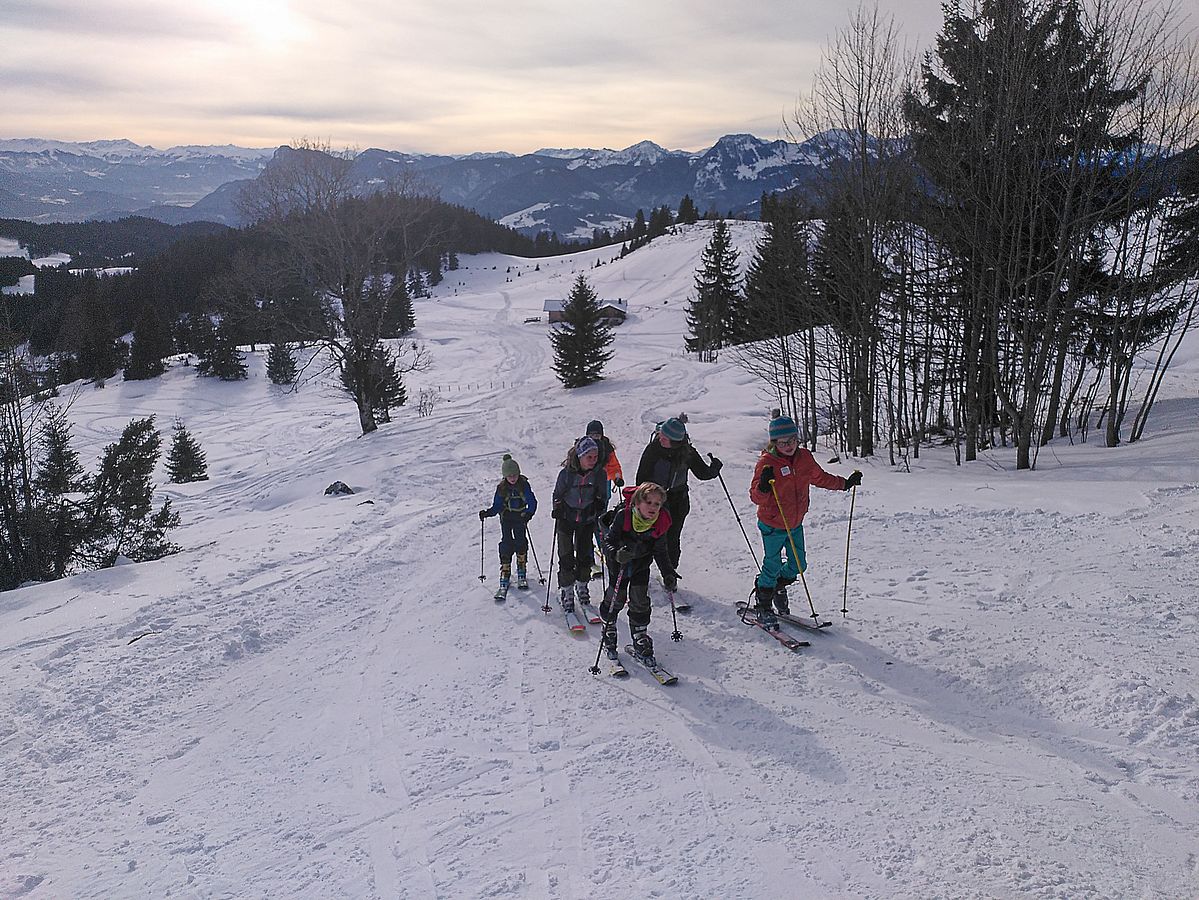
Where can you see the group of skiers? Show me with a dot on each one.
(647, 523)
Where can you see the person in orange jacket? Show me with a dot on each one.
(607, 453)
(780, 487)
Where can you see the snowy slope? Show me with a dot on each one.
(327, 703)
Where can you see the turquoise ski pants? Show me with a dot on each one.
(774, 543)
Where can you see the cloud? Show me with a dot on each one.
(450, 76)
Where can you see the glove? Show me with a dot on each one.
(555, 510)
(764, 481)
(715, 463)
(483, 514)
(526, 515)
(670, 581)
(618, 481)
(624, 554)
(853, 480)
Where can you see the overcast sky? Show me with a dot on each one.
(451, 76)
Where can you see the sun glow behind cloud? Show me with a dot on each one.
(269, 25)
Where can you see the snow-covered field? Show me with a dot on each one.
(325, 702)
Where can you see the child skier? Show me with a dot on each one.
(782, 477)
(580, 495)
(636, 533)
(515, 504)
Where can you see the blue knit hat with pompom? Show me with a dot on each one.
(674, 430)
(783, 427)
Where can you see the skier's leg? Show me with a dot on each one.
(583, 560)
(679, 508)
(773, 540)
(566, 562)
(790, 569)
(639, 614)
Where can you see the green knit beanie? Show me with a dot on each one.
(509, 466)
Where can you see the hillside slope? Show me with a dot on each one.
(327, 702)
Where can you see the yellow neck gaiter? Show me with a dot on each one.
(641, 525)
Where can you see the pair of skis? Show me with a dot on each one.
(749, 617)
(661, 675)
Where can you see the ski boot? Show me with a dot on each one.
(583, 593)
(608, 639)
(501, 592)
(566, 596)
(643, 644)
(522, 575)
(764, 608)
(781, 602)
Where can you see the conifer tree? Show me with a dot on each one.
(416, 283)
(714, 315)
(152, 342)
(640, 231)
(776, 279)
(56, 525)
(121, 520)
(688, 214)
(222, 359)
(386, 385)
(581, 340)
(399, 318)
(280, 364)
(185, 460)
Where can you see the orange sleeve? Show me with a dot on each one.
(612, 468)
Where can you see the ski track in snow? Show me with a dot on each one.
(318, 697)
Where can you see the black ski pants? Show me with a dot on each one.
(678, 504)
(633, 589)
(514, 536)
(575, 554)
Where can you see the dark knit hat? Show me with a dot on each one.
(509, 466)
(595, 426)
(783, 427)
(674, 430)
(585, 446)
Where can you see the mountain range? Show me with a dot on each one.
(569, 191)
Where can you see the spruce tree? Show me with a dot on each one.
(385, 385)
(776, 279)
(152, 342)
(581, 340)
(56, 523)
(399, 317)
(185, 459)
(121, 520)
(59, 471)
(280, 364)
(688, 214)
(222, 359)
(715, 314)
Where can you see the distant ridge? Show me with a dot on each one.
(567, 190)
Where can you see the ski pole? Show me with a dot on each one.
(848, 531)
(482, 541)
(553, 541)
(794, 549)
(675, 635)
(536, 562)
(738, 516)
(594, 670)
